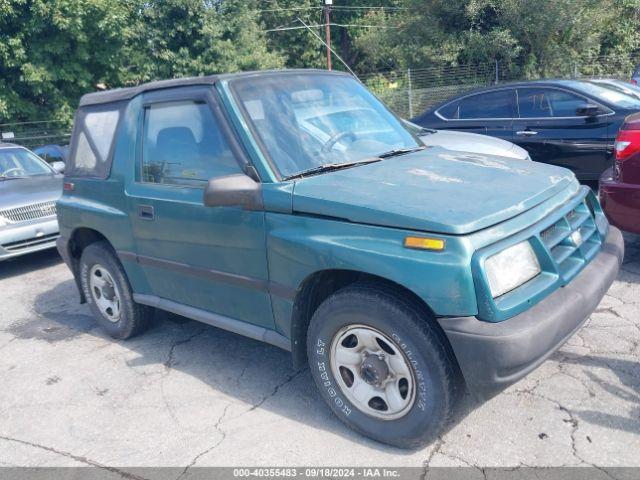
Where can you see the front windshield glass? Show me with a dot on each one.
(18, 162)
(619, 86)
(307, 120)
(608, 95)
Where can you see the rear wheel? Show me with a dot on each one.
(109, 294)
(382, 366)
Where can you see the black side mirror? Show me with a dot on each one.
(588, 110)
(234, 191)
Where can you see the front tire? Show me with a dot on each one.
(382, 366)
(109, 294)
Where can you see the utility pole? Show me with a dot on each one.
(327, 30)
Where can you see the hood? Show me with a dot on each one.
(435, 190)
(19, 192)
(475, 143)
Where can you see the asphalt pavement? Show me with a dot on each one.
(185, 394)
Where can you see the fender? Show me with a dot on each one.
(300, 246)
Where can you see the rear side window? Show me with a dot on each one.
(484, 105)
(91, 149)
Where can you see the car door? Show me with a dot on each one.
(488, 113)
(550, 128)
(210, 258)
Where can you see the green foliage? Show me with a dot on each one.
(178, 38)
(53, 51)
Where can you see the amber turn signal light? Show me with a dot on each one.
(424, 243)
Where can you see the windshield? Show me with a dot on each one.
(608, 95)
(308, 120)
(619, 86)
(19, 162)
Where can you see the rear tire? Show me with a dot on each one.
(109, 294)
(382, 366)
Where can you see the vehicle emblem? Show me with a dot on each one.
(576, 238)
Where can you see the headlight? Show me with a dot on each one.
(3, 221)
(511, 268)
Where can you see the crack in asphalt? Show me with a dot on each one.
(425, 464)
(288, 379)
(168, 364)
(170, 361)
(575, 423)
(213, 447)
(276, 389)
(77, 458)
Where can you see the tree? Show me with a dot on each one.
(175, 38)
(52, 51)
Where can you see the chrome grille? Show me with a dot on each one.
(572, 240)
(29, 212)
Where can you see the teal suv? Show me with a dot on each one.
(294, 208)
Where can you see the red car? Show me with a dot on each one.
(620, 185)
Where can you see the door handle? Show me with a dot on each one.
(146, 212)
(526, 133)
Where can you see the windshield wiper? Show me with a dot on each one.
(328, 167)
(400, 151)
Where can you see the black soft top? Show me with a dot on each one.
(119, 94)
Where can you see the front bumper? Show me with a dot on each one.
(492, 356)
(27, 237)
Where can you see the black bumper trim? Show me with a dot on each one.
(492, 356)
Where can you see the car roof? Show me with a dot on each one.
(550, 82)
(10, 145)
(120, 94)
(553, 82)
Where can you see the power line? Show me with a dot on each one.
(333, 7)
(362, 7)
(331, 25)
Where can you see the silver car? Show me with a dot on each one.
(29, 188)
(468, 142)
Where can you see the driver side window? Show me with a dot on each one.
(183, 145)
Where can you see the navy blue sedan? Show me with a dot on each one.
(570, 123)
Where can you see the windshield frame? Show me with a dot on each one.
(50, 169)
(255, 137)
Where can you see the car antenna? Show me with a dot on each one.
(330, 49)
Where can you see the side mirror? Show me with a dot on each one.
(233, 191)
(58, 166)
(588, 110)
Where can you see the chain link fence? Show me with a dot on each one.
(36, 134)
(412, 91)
